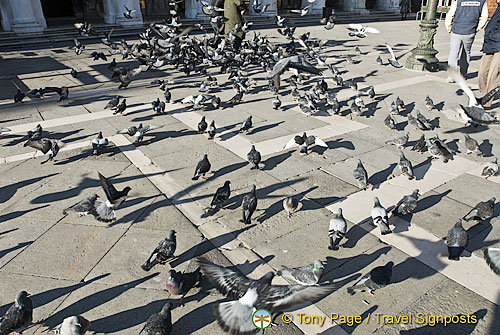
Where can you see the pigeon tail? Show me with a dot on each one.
(149, 265)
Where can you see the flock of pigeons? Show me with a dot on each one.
(166, 44)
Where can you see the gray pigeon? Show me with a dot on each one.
(424, 123)
(336, 230)
(211, 130)
(249, 205)
(304, 275)
(221, 195)
(490, 169)
(138, 132)
(72, 325)
(254, 158)
(163, 252)
(49, 148)
(159, 323)
(202, 168)
(113, 102)
(420, 145)
(456, 240)
(380, 218)
(492, 256)
(378, 277)
(472, 146)
(235, 316)
(399, 142)
(389, 122)
(83, 207)
(245, 126)
(482, 211)
(429, 103)
(405, 166)
(276, 103)
(19, 315)
(202, 125)
(105, 210)
(406, 205)
(180, 283)
(361, 175)
(437, 150)
(290, 205)
(98, 143)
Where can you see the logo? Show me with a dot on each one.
(261, 319)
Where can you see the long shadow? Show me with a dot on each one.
(43, 298)
(228, 169)
(266, 127)
(191, 323)
(8, 231)
(16, 214)
(94, 300)
(7, 192)
(135, 214)
(477, 234)
(378, 178)
(353, 235)
(339, 143)
(453, 328)
(366, 314)
(430, 201)
(421, 169)
(18, 246)
(274, 161)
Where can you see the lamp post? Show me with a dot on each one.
(423, 57)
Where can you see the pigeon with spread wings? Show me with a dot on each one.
(138, 132)
(47, 147)
(304, 142)
(360, 31)
(295, 62)
(105, 210)
(393, 60)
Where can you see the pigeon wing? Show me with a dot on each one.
(277, 298)
(228, 282)
(109, 189)
(460, 80)
(492, 256)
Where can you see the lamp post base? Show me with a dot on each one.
(423, 57)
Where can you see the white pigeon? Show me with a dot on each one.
(360, 31)
(302, 12)
(380, 217)
(393, 60)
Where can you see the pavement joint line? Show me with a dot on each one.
(193, 212)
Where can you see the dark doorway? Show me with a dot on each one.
(58, 8)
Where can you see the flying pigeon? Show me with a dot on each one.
(221, 195)
(378, 277)
(472, 146)
(482, 211)
(295, 62)
(78, 47)
(128, 13)
(159, 323)
(360, 31)
(180, 283)
(304, 275)
(290, 205)
(85, 29)
(336, 230)
(393, 60)
(163, 252)
(211, 130)
(138, 132)
(257, 9)
(406, 205)
(302, 12)
(249, 205)
(47, 147)
(235, 316)
(253, 158)
(492, 256)
(202, 125)
(98, 55)
(405, 166)
(490, 169)
(361, 175)
(329, 22)
(246, 125)
(209, 9)
(19, 315)
(456, 240)
(83, 207)
(105, 211)
(202, 168)
(380, 218)
(304, 142)
(98, 143)
(399, 142)
(73, 325)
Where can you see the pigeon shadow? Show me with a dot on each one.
(11, 249)
(7, 192)
(400, 126)
(273, 161)
(353, 235)
(430, 201)
(453, 328)
(378, 178)
(364, 316)
(486, 148)
(265, 127)
(339, 143)
(16, 214)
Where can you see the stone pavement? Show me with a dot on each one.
(74, 265)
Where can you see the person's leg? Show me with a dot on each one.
(453, 57)
(482, 76)
(493, 77)
(467, 41)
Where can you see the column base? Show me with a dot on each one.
(28, 27)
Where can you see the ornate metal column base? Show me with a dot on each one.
(423, 57)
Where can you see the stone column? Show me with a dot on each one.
(25, 20)
(388, 5)
(272, 9)
(355, 6)
(316, 7)
(6, 13)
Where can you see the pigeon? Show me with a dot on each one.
(98, 55)
(429, 103)
(4, 130)
(399, 142)
(296, 62)
(73, 325)
(245, 126)
(304, 275)
(378, 277)
(202, 125)
(490, 169)
(423, 122)
(78, 47)
(406, 205)
(304, 142)
(302, 12)
(472, 146)
(257, 9)
(74, 73)
(113, 102)
(98, 143)
(361, 175)
(456, 240)
(35, 133)
(236, 99)
(379, 60)
(394, 109)
(163, 252)
(389, 122)
(249, 205)
(112, 65)
(159, 323)
(180, 283)
(167, 95)
(221, 195)
(380, 218)
(336, 230)
(437, 150)
(126, 75)
(235, 316)
(290, 205)
(420, 145)
(280, 21)
(128, 13)
(211, 130)
(121, 107)
(371, 92)
(158, 106)
(276, 103)
(85, 29)
(253, 158)
(105, 211)
(19, 96)
(47, 147)
(83, 207)
(202, 168)
(405, 166)
(360, 31)
(329, 22)
(19, 315)
(492, 256)
(482, 211)
(400, 103)
(393, 60)
(138, 132)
